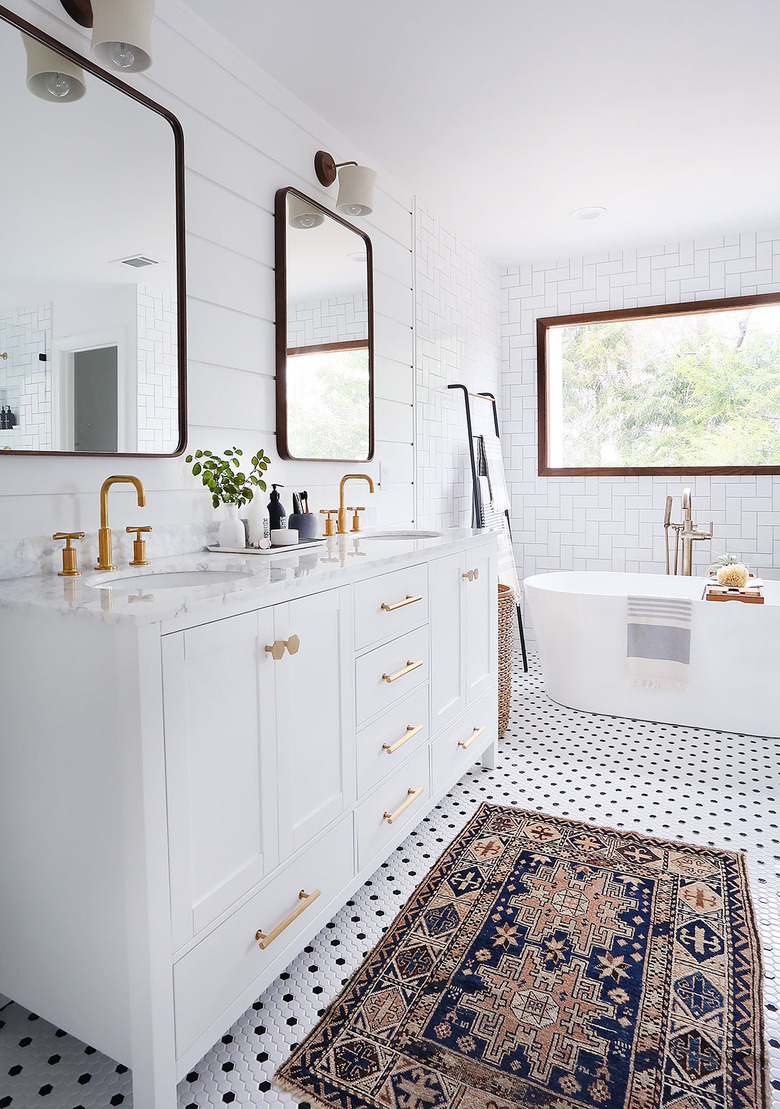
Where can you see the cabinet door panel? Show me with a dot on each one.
(480, 625)
(315, 724)
(448, 672)
(219, 827)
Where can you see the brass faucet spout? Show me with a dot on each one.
(104, 534)
(342, 528)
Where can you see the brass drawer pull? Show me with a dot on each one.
(410, 731)
(474, 735)
(400, 673)
(305, 899)
(413, 794)
(276, 650)
(472, 575)
(410, 600)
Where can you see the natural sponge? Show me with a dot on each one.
(734, 575)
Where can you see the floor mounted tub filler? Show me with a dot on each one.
(581, 621)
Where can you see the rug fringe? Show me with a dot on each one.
(300, 1093)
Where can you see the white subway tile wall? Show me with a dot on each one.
(337, 319)
(616, 523)
(158, 372)
(25, 383)
(458, 340)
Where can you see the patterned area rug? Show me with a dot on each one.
(549, 963)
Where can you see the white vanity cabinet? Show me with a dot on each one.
(464, 631)
(235, 766)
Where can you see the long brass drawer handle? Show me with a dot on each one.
(410, 600)
(410, 731)
(400, 673)
(305, 899)
(413, 794)
(474, 735)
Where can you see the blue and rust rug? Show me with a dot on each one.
(549, 963)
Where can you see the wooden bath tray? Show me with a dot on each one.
(751, 598)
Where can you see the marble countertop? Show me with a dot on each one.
(241, 582)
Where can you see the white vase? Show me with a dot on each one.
(231, 529)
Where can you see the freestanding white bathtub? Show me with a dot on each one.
(580, 621)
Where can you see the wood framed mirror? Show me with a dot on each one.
(92, 289)
(324, 334)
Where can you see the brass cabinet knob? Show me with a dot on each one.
(139, 546)
(70, 561)
(278, 647)
(472, 575)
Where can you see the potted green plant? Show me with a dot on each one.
(230, 485)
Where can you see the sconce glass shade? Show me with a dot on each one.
(301, 215)
(356, 191)
(122, 34)
(50, 76)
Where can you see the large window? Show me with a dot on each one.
(687, 388)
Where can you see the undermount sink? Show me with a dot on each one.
(171, 579)
(409, 533)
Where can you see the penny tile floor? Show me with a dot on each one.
(665, 780)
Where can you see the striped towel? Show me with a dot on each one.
(659, 642)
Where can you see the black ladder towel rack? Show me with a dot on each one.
(477, 517)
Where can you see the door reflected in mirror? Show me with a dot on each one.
(324, 369)
(91, 286)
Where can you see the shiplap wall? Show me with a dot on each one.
(245, 137)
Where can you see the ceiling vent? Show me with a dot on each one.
(138, 261)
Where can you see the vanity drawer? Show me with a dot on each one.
(449, 755)
(390, 604)
(391, 739)
(208, 979)
(387, 674)
(374, 830)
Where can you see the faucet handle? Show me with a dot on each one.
(356, 517)
(70, 559)
(329, 528)
(139, 546)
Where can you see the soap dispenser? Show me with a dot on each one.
(276, 509)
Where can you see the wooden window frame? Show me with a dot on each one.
(658, 311)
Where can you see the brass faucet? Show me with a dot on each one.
(342, 530)
(104, 535)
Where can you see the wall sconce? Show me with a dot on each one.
(50, 76)
(356, 184)
(301, 215)
(121, 31)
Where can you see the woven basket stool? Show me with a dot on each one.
(506, 646)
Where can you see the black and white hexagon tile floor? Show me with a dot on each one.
(670, 781)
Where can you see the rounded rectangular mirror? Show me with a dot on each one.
(324, 334)
(92, 328)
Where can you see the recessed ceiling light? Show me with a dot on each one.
(356, 256)
(588, 213)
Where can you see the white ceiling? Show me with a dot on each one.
(506, 115)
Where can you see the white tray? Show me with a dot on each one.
(291, 549)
